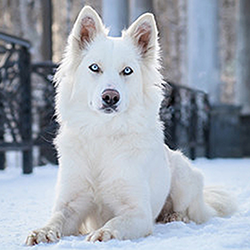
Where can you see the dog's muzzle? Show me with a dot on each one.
(110, 99)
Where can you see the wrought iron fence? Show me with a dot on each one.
(43, 103)
(185, 113)
(15, 99)
(27, 109)
(26, 104)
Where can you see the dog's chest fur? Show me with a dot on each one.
(107, 160)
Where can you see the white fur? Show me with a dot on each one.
(114, 170)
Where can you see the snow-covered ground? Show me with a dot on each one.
(26, 202)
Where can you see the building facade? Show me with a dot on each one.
(205, 44)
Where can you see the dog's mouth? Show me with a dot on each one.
(109, 109)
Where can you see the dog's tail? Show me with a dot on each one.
(220, 200)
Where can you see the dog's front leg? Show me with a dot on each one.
(52, 232)
(71, 207)
(131, 225)
(132, 212)
(66, 220)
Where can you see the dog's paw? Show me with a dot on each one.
(46, 235)
(102, 234)
(175, 216)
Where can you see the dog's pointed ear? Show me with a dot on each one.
(144, 34)
(87, 26)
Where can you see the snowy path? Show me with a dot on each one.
(26, 201)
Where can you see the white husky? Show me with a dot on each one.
(116, 177)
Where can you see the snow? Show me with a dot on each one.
(26, 202)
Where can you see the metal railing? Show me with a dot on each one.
(185, 113)
(15, 99)
(43, 104)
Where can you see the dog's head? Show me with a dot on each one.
(110, 75)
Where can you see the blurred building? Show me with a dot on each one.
(205, 44)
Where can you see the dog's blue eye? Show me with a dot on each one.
(94, 67)
(127, 71)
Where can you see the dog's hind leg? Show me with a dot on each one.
(190, 200)
(187, 190)
(168, 214)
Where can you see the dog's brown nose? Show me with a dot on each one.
(110, 97)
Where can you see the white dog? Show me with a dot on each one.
(115, 173)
